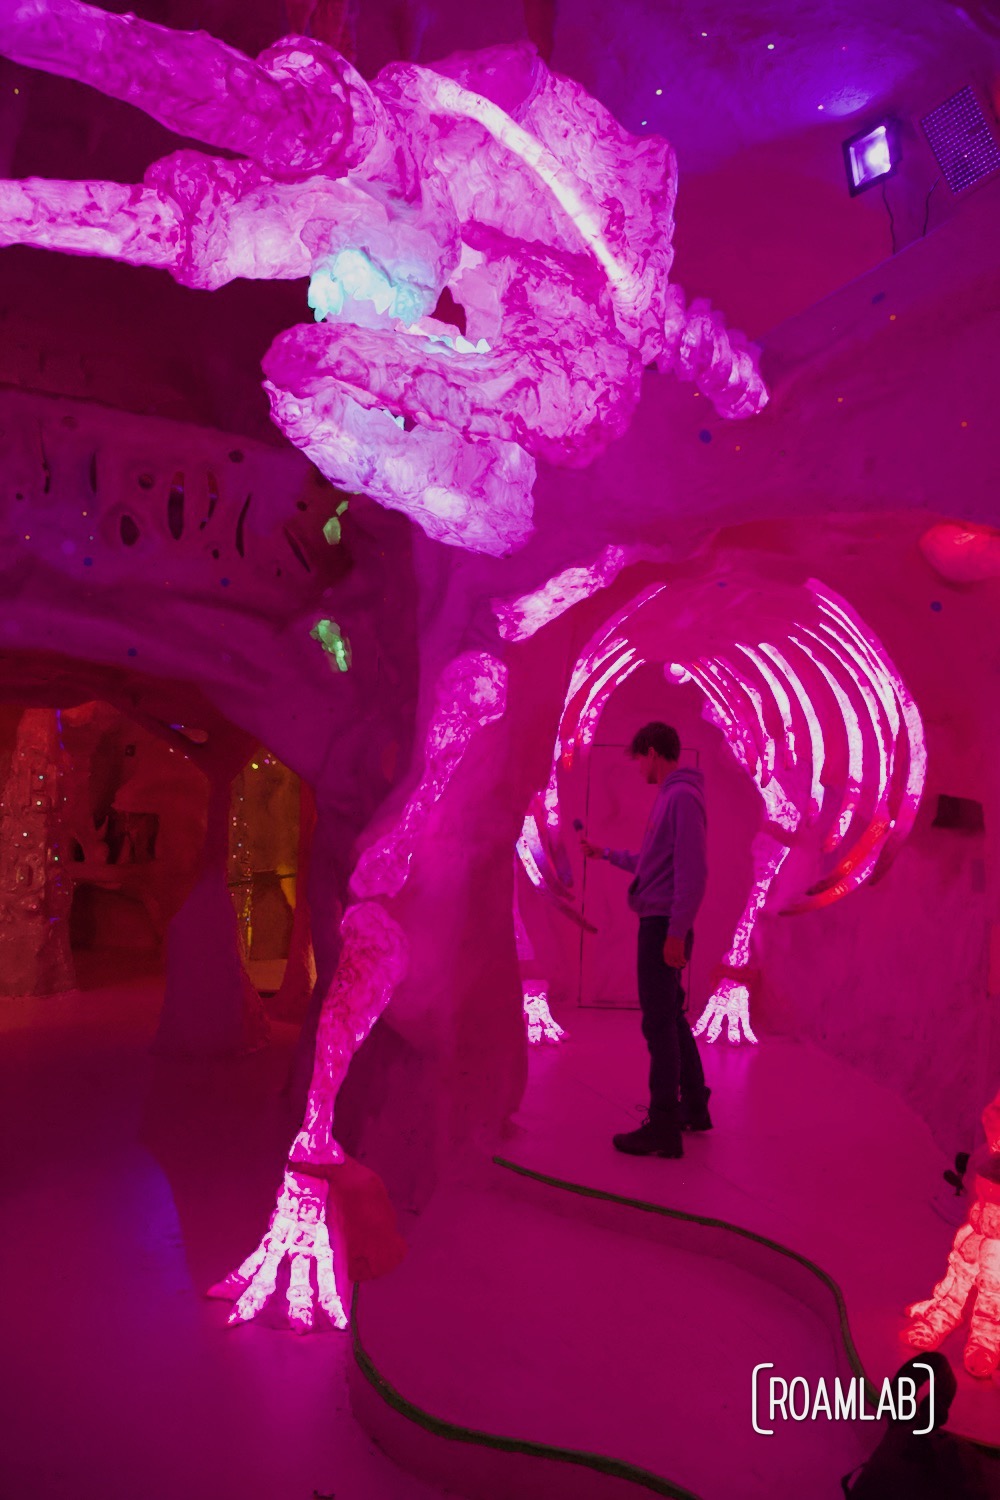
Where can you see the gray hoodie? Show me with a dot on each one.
(671, 868)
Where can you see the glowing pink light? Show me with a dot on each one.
(855, 745)
(373, 959)
(971, 1284)
(862, 663)
(780, 697)
(521, 618)
(767, 741)
(539, 858)
(297, 1233)
(751, 725)
(586, 667)
(612, 636)
(876, 654)
(781, 810)
(722, 365)
(590, 714)
(542, 1027)
(730, 1000)
(527, 858)
(627, 673)
(829, 643)
(471, 693)
(754, 751)
(550, 796)
(817, 752)
(724, 715)
(962, 554)
(730, 1004)
(767, 862)
(530, 851)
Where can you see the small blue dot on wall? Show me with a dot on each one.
(721, 583)
(88, 562)
(878, 297)
(705, 435)
(224, 582)
(132, 651)
(937, 606)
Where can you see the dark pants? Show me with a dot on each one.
(675, 1065)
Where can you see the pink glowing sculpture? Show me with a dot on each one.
(518, 619)
(962, 554)
(542, 1027)
(730, 1001)
(372, 961)
(848, 667)
(543, 856)
(973, 1270)
(491, 178)
(297, 1234)
(814, 690)
(471, 693)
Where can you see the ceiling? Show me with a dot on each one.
(757, 98)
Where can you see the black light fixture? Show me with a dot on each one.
(871, 156)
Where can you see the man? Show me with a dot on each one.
(670, 873)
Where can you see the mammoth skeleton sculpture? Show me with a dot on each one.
(488, 255)
(488, 251)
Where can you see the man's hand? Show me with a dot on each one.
(674, 955)
(591, 851)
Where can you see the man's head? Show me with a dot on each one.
(657, 748)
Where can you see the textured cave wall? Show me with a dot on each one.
(896, 978)
(894, 981)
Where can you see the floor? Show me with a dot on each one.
(602, 1329)
(596, 1331)
(128, 1184)
(805, 1150)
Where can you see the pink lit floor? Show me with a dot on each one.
(128, 1185)
(806, 1151)
(570, 1322)
(524, 1311)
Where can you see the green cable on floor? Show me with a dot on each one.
(853, 1358)
(613, 1467)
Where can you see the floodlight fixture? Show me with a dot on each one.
(871, 157)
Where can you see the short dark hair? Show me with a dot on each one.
(659, 737)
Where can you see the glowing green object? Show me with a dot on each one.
(332, 528)
(334, 643)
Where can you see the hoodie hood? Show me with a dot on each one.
(685, 776)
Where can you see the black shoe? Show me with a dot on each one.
(695, 1116)
(658, 1135)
